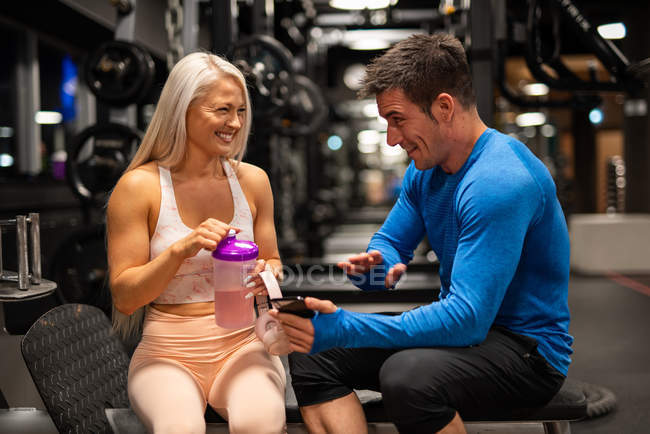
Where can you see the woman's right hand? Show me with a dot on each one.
(206, 236)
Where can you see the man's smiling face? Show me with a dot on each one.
(412, 129)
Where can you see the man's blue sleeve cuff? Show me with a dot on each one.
(374, 280)
(326, 328)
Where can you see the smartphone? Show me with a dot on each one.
(294, 305)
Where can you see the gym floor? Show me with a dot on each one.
(610, 323)
(611, 327)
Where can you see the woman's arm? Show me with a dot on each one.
(264, 225)
(135, 280)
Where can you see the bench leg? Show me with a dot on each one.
(557, 427)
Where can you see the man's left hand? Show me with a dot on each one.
(300, 331)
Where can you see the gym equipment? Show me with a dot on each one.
(26, 420)
(23, 277)
(27, 283)
(123, 6)
(268, 68)
(307, 109)
(79, 366)
(85, 390)
(606, 243)
(615, 185)
(97, 159)
(581, 101)
(120, 73)
(600, 400)
(174, 27)
(624, 76)
(80, 267)
(541, 59)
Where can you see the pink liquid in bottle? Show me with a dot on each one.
(234, 260)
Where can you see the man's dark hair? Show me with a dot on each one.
(422, 66)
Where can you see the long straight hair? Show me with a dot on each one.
(165, 140)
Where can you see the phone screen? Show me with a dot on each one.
(293, 305)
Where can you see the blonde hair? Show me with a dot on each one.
(166, 136)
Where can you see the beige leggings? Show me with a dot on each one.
(184, 363)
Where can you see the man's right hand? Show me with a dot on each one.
(363, 262)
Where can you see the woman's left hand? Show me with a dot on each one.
(254, 282)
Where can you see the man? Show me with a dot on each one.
(498, 336)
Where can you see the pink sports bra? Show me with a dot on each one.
(193, 280)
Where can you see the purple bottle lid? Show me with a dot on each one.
(232, 249)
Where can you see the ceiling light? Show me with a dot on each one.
(596, 116)
(47, 118)
(369, 44)
(530, 132)
(6, 160)
(353, 76)
(612, 31)
(391, 151)
(369, 137)
(378, 18)
(386, 36)
(370, 110)
(350, 5)
(548, 130)
(536, 89)
(6, 132)
(530, 119)
(367, 148)
(334, 142)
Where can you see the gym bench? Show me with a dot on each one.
(79, 367)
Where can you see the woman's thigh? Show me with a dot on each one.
(166, 397)
(249, 391)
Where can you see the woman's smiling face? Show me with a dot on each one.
(214, 120)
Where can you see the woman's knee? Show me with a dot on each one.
(262, 418)
(179, 424)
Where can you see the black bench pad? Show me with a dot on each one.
(568, 404)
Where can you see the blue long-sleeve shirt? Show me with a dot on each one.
(499, 233)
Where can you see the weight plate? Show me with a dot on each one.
(120, 73)
(268, 68)
(307, 109)
(98, 157)
(80, 269)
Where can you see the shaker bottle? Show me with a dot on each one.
(233, 261)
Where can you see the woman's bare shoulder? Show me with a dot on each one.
(252, 174)
(139, 183)
(254, 181)
(141, 176)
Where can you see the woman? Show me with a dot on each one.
(184, 190)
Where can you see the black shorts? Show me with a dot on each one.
(423, 388)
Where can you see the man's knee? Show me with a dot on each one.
(418, 368)
(399, 379)
(412, 395)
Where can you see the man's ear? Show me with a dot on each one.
(442, 108)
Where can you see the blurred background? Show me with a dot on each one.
(79, 81)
